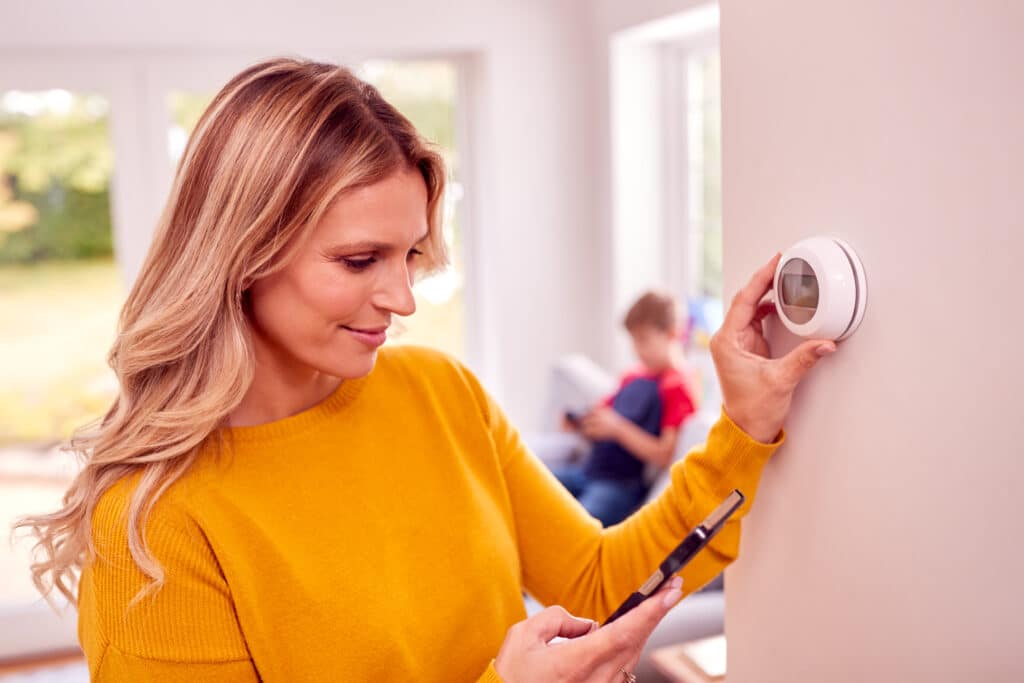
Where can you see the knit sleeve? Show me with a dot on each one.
(490, 675)
(186, 630)
(568, 559)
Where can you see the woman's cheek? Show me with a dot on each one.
(344, 294)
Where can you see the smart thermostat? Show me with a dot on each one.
(820, 290)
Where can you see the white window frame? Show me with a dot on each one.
(675, 56)
(650, 197)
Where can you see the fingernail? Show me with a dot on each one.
(672, 597)
(825, 349)
(676, 582)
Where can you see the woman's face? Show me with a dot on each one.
(330, 308)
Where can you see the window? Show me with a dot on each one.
(61, 288)
(426, 92)
(702, 118)
(693, 131)
(667, 213)
(60, 293)
(185, 108)
(704, 164)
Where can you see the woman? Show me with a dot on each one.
(273, 496)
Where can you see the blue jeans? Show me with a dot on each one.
(608, 500)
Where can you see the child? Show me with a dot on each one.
(639, 423)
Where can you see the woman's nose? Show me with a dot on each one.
(396, 294)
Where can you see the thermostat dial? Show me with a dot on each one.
(820, 289)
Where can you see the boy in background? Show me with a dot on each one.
(639, 423)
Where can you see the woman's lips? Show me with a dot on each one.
(372, 337)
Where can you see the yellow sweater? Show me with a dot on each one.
(385, 534)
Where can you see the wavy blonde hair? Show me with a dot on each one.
(277, 145)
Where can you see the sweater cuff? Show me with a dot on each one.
(490, 675)
(740, 457)
(779, 440)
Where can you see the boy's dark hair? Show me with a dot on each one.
(653, 309)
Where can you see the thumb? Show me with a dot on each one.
(555, 622)
(804, 357)
(636, 625)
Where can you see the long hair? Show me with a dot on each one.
(276, 146)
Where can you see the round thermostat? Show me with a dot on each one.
(820, 289)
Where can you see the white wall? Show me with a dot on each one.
(530, 82)
(886, 543)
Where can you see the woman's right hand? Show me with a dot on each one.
(757, 389)
(603, 655)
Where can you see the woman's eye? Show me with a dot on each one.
(358, 263)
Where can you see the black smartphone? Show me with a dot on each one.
(684, 552)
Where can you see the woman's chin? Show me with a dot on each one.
(359, 365)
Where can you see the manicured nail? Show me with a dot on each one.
(826, 349)
(675, 591)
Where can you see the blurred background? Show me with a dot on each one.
(583, 138)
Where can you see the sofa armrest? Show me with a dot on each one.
(556, 448)
(574, 383)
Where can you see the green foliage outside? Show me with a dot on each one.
(60, 289)
(55, 168)
(71, 224)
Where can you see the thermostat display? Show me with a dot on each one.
(820, 289)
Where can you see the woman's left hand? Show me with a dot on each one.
(601, 424)
(757, 389)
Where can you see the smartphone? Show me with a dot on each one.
(684, 552)
(574, 418)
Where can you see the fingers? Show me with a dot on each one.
(804, 357)
(764, 309)
(597, 424)
(555, 622)
(604, 652)
(745, 304)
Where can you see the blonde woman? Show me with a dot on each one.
(273, 496)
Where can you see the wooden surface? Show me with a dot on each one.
(12, 666)
(679, 665)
